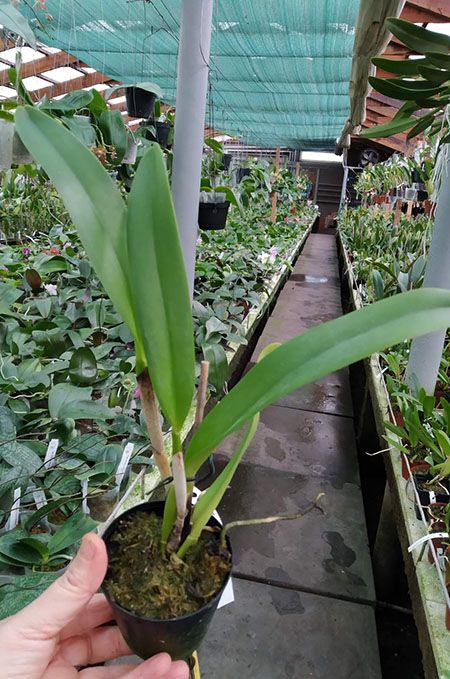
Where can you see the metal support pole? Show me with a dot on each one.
(192, 86)
(426, 351)
(344, 186)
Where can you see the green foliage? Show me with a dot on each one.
(424, 83)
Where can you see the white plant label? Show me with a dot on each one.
(50, 455)
(84, 491)
(39, 498)
(15, 510)
(123, 464)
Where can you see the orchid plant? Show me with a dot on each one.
(135, 250)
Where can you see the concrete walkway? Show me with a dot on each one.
(304, 589)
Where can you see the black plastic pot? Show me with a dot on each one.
(415, 176)
(140, 103)
(242, 172)
(226, 161)
(428, 497)
(213, 216)
(179, 637)
(421, 196)
(162, 131)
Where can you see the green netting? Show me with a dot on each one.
(279, 68)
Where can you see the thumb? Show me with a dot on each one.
(69, 594)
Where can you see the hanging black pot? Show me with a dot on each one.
(161, 135)
(415, 176)
(226, 161)
(146, 637)
(421, 196)
(213, 216)
(140, 103)
(242, 172)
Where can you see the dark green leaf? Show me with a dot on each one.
(399, 66)
(71, 532)
(419, 39)
(83, 367)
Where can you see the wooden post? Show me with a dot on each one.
(398, 212)
(409, 210)
(297, 168)
(274, 197)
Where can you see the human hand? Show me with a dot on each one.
(59, 631)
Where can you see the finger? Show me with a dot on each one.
(68, 595)
(110, 672)
(159, 667)
(104, 643)
(97, 612)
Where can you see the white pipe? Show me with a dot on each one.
(192, 85)
(344, 187)
(426, 351)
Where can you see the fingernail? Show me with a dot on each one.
(87, 550)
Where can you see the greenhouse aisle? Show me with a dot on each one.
(304, 589)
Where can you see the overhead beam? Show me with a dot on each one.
(421, 15)
(70, 85)
(40, 65)
(380, 108)
(436, 7)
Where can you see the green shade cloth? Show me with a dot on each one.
(279, 68)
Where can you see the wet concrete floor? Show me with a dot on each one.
(304, 589)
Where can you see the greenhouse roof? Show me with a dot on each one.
(279, 70)
(278, 77)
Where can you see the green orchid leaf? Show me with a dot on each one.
(114, 132)
(147, 86)
(98, 105)
(318, 352)
(12, 20)
(433, 75)
(64, 393)
(397, 91)
(73, 101)
(81, 128)
(71, 532)
(83, 367)
(399, 66)
(210, 499)
(218, 364)
(419, 39)
(388, 129)
(422, 124)
(91, 197)
(439, 60)
(160, 289)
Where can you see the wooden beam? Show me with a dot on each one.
(396, 51)
(70, 85)
(382, 99)
(376, 107)
(422, 16)
(37, 67)
(376, 118)
(437, 7)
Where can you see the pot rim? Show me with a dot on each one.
(113, 602)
